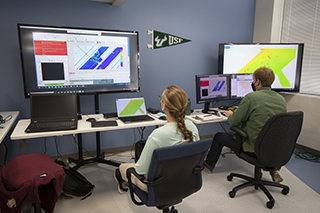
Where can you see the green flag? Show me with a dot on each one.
(160, 40)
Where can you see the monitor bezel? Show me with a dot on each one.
(29, 72)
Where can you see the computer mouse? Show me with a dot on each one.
(91, 120)
(163, 118)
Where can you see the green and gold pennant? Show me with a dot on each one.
(160, 40)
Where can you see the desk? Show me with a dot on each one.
(83, 127)
(198, 112)
(7, 125)
(5, 129)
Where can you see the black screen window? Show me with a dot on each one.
(52, 71)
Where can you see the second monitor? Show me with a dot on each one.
(240, 85)
(210, 88)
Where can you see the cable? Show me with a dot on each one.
(223, 127)
(56, 141)
(76, 142)
(45, 145)
(307, 156)
(200, 128)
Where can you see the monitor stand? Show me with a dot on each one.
(207, 109)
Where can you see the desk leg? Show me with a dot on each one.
(23, 147)
(98, 159)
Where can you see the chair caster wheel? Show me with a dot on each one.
(270, 204)
(232, 194)
(256, 187)
(285, 191)
(229, 177)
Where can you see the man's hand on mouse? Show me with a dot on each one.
(228, 112)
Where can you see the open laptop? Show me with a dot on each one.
(52, 112)
(132, 110)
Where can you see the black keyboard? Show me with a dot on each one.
(136, 119)
(110, 115)
(53, 124)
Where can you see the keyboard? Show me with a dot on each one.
(52, 124)
(136, 119)
(110, 115)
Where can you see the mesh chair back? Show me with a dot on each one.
(276, 141)
(179, 167)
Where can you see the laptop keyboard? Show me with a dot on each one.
(53, 124)
(137, 118)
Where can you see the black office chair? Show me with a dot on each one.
(175, 173)
(273, 149)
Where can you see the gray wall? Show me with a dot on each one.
(207, 23)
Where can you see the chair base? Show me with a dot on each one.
(169, 210)
(257, 183)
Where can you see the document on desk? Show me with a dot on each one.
(207, 117)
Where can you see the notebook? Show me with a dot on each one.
(52, 112)
(132, 110)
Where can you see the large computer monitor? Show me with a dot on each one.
(283, 58)
(78, 60)
(211, 88)
(240, 85)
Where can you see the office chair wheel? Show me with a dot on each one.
(270, 204)
(229, 177)
(232, 194)
(285, 191)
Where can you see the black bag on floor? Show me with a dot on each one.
(138, 149)
(75, 184)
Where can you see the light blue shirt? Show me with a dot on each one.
(166, 135)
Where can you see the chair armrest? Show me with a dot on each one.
(142, 177)
(239, 131)
(129, 172)
(239, 135)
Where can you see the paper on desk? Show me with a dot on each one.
(207, 117)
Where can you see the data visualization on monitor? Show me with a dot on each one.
(240, 85)
(80, 59)
(214, 86)
(283, 58)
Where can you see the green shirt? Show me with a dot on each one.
(253, 112)
(162, 137)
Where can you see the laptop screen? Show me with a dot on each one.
(130, 107)
(46, 107)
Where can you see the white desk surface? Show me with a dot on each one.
(83, 127)
(7, 125)
(199, 112)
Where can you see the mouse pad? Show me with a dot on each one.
(104, 123)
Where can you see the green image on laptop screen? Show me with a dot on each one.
(130, 107)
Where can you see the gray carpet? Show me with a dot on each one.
(213, 196)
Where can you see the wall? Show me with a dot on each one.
(267, 28)
(309, 136)
(205, 22)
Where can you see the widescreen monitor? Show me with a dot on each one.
(240, 85)
(211, 88)
(283, 58)
(78, 60)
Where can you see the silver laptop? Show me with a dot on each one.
(52, 112)
(132, 110)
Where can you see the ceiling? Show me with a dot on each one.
(117, 3)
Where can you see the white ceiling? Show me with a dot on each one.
(117, 3)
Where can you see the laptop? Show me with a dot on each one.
(52, 112)
(132, 110)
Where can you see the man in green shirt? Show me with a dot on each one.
(253, 112)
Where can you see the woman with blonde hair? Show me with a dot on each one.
(177, 130)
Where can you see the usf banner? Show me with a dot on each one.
(160, 40)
